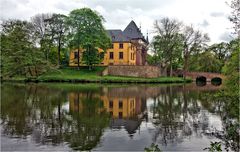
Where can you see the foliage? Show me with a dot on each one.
(214, 147)
(194, 41)
(205, 62)
(228, 98)
(175, 43)
(81, 128)
(19, 55)
(51, 31)
(167, 43)
(87, 33)
(43, 38)
(152, 148)
(57, 28)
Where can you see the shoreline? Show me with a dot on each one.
(94, 76)
(148, 81)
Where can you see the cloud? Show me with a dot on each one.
(205, 15)
(226, 36)
(217, 14)
(205, 23)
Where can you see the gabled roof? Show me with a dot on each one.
(129, 33)
(117, 36)
(132, 31)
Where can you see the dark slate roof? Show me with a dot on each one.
(130, 32)
(117, 36)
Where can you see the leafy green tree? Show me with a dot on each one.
(152, 59)
(19, 55)
(167, 44)
(194, 41)
(56, 28)
(221, 50)
(229, 98)
(205, 62)
(87, 33)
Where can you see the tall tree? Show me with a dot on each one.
(44, 38)
(87, 33)
(194, 41)
(56, 29)
(19, 56)
(167, 42)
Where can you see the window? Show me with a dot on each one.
(75, 55)
(110, 55)
(120, 104)
(110, 104)
(120, 114)
(120, 55)
(120, 45)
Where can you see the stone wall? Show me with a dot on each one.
(133, 71)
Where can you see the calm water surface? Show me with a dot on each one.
(65, 117)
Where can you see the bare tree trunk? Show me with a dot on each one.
(78, 57)
(30, 71)
(185, 68)
(35, 67)
(170, 68)
(59, 49)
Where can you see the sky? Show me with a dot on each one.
(208, 16)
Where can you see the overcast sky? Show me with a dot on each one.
(210, 16)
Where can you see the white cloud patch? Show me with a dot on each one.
(210, 16)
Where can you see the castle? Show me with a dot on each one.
(129, 47)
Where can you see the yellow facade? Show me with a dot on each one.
(122, 54)
(120, 107)
(117, 107)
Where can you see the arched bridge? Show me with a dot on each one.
(207, 76)
(203, 76)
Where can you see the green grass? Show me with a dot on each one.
(84, 75)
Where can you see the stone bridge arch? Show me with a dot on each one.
(207, 75)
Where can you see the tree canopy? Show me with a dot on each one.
(87, 32)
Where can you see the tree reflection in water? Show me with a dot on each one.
(38, 112)
(178, 115)
(77, 115)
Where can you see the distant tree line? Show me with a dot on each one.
(29, 48)
(179, 46)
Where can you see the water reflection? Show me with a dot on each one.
(86, 117)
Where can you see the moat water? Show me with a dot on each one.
(66, 117)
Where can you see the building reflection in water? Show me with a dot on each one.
(174, 113)
(126, 112)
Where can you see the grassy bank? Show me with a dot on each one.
(84, 75)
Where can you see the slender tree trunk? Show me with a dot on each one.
(30, 71)
(89, 63)
(185, 68)
(78, 57)
(170, 68)
(59, 49)
(35, 67)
